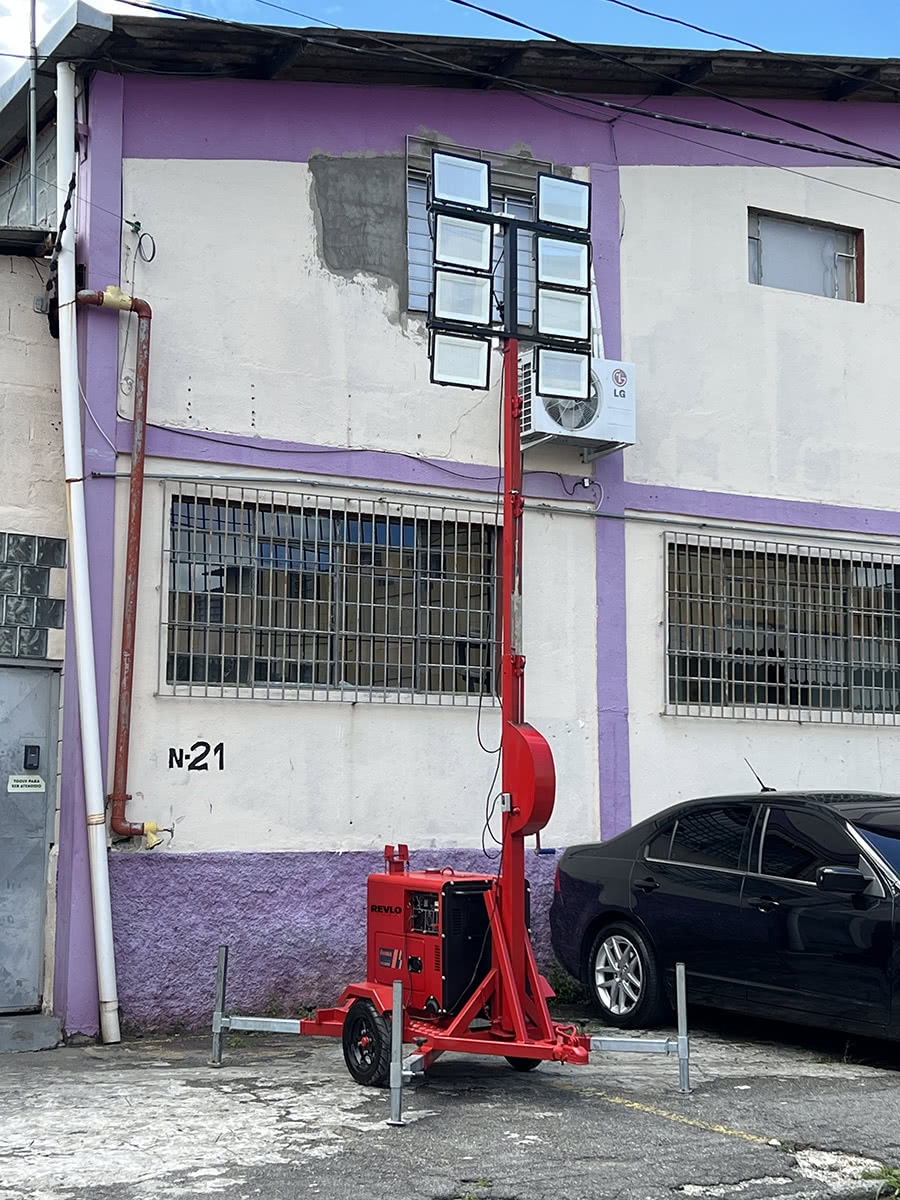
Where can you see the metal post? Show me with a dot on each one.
(684, 1045)
(221, 978)
(397, 1056)
(32, 122)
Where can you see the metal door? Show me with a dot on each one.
(28, 714)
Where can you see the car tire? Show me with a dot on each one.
(366, 1039)
(623, 978)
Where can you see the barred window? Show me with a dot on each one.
(284, 596)
(513, 186)
(781, 631)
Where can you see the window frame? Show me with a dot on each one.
(845, 601)
(829, 819)
(470, 522)
(857, 275)
(746, 841)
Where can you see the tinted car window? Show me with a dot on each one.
(661, 842)
(797, 843)
(887, 841)
(711, 837)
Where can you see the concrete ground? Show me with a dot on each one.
(777, 1111)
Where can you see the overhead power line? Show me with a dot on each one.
(727, 37)
(411, 55)
(608, 56)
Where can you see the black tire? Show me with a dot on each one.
(524, 1064)
(366, 1040)
(623, 978)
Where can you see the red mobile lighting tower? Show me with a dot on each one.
(459, 943)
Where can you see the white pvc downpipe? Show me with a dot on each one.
(78, 564)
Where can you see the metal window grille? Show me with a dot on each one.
(284, 596)
(513, 182)
(802, 256)
(779, 631)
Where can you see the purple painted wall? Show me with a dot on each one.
(294, 923)
(278, 911)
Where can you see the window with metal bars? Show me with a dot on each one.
(312, 597)
(513, 187)
(782, 632)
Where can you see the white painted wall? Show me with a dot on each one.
(32, 491)
(32, 481)
(254, 335)
(750, 389)
(307, 775)
(675, 758)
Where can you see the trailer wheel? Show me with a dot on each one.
(524, 1064)
(367, 1044)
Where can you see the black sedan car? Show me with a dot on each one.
(782, 904)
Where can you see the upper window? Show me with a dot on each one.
(762, 629)
(796, 844)
(805, 256)
(328, 598)
(513, 183)
(711, 837)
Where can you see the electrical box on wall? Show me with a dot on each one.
(600, 424)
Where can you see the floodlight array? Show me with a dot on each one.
(462, 314)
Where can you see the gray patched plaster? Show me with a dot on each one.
(361, 215)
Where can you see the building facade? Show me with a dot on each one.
(314, 669)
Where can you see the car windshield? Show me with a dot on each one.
(886, 840)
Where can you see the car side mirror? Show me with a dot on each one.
(848, 880)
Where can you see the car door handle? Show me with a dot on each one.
(765, 903)
(646, 885)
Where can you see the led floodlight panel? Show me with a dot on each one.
(460, 360)
(563, 314)
(563, 373)
(563, 202)
(459, 297)
(456, 179)
(563, 263)
(461, 243)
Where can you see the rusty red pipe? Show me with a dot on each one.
(113, 297)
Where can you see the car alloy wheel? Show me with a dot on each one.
(618, 975)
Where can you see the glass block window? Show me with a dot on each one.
(283, 596)
(804, 256)
(513, 187)
(780, 631)
(27, 610)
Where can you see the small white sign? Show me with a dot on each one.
(25, 783)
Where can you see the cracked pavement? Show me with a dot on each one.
(776, 1111)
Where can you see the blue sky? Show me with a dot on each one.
(869, 28)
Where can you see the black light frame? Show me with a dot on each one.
(482, 162)
(483, 276)
(466, 337)
(540, 391)
(561, 179)
(460, 216)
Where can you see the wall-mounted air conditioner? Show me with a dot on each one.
(602, 423)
